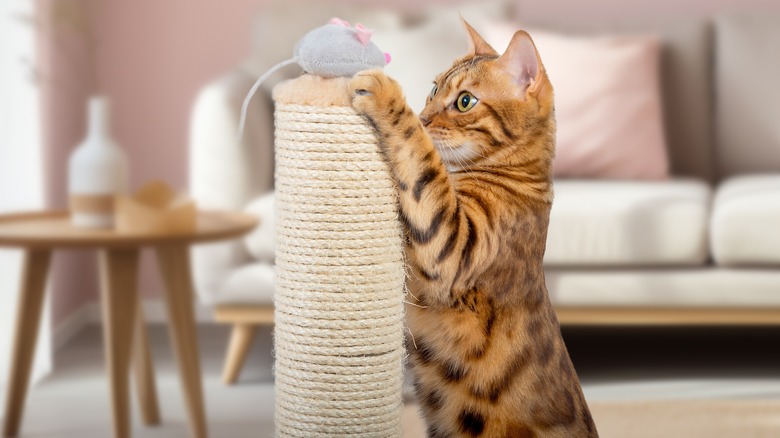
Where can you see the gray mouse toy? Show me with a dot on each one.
(335, 49)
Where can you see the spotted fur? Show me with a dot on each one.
(475, 193)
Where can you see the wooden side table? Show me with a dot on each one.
(125, 335)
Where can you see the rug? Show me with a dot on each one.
(667, 419)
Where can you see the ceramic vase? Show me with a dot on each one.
(97, 171)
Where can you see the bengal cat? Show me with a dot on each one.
(474, 181)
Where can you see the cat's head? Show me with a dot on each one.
(491, 108)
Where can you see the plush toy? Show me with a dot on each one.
(332, 50)
(337, 49)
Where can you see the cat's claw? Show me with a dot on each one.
(371, 92)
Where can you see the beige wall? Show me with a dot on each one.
(155, 55)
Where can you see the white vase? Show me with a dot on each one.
(97, 172)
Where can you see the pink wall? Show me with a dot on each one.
(65, 89)
(637, 9)
(158, 55)
(154, 57)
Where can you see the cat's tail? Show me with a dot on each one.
(253, 90)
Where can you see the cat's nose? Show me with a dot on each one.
(425, 120)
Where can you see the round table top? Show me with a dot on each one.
(52, 229)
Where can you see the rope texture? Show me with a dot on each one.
(340, 279)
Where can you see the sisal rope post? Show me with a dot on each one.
(339, 270)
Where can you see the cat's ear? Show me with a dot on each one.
(521, 60)
(477, 45)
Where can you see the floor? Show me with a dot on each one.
(73, 402)
(614, 364)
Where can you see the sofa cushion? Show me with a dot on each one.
(686, 75)
(598, 223)
(745, 227)
(747, 66)
(248, 284)
(260, 242)
(610, 124)
(693, 288)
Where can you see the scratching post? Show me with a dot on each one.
(339, 270)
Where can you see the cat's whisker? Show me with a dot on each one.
(459, 160)
(412, 336)
(416, 305)
(464, 164)
(488, 161)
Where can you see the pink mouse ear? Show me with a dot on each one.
(338, 22)
(363, 34)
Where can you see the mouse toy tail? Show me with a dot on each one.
(253, 90)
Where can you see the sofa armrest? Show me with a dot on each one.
(226, 173)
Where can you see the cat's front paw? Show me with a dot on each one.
(374, 94)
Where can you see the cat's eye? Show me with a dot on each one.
(434, 90)
(465, 102)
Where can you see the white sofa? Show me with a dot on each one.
(702, 247)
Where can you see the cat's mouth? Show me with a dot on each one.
(456, 156)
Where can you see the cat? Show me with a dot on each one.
(473, 173)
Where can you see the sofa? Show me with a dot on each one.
(701, 246)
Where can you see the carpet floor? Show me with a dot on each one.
(667, 419)
(660, 383)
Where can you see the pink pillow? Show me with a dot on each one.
(607, 103)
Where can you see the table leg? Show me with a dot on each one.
(145, 384)
(28, 317)
(240, 341)
(119, 276)
(175, 267)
